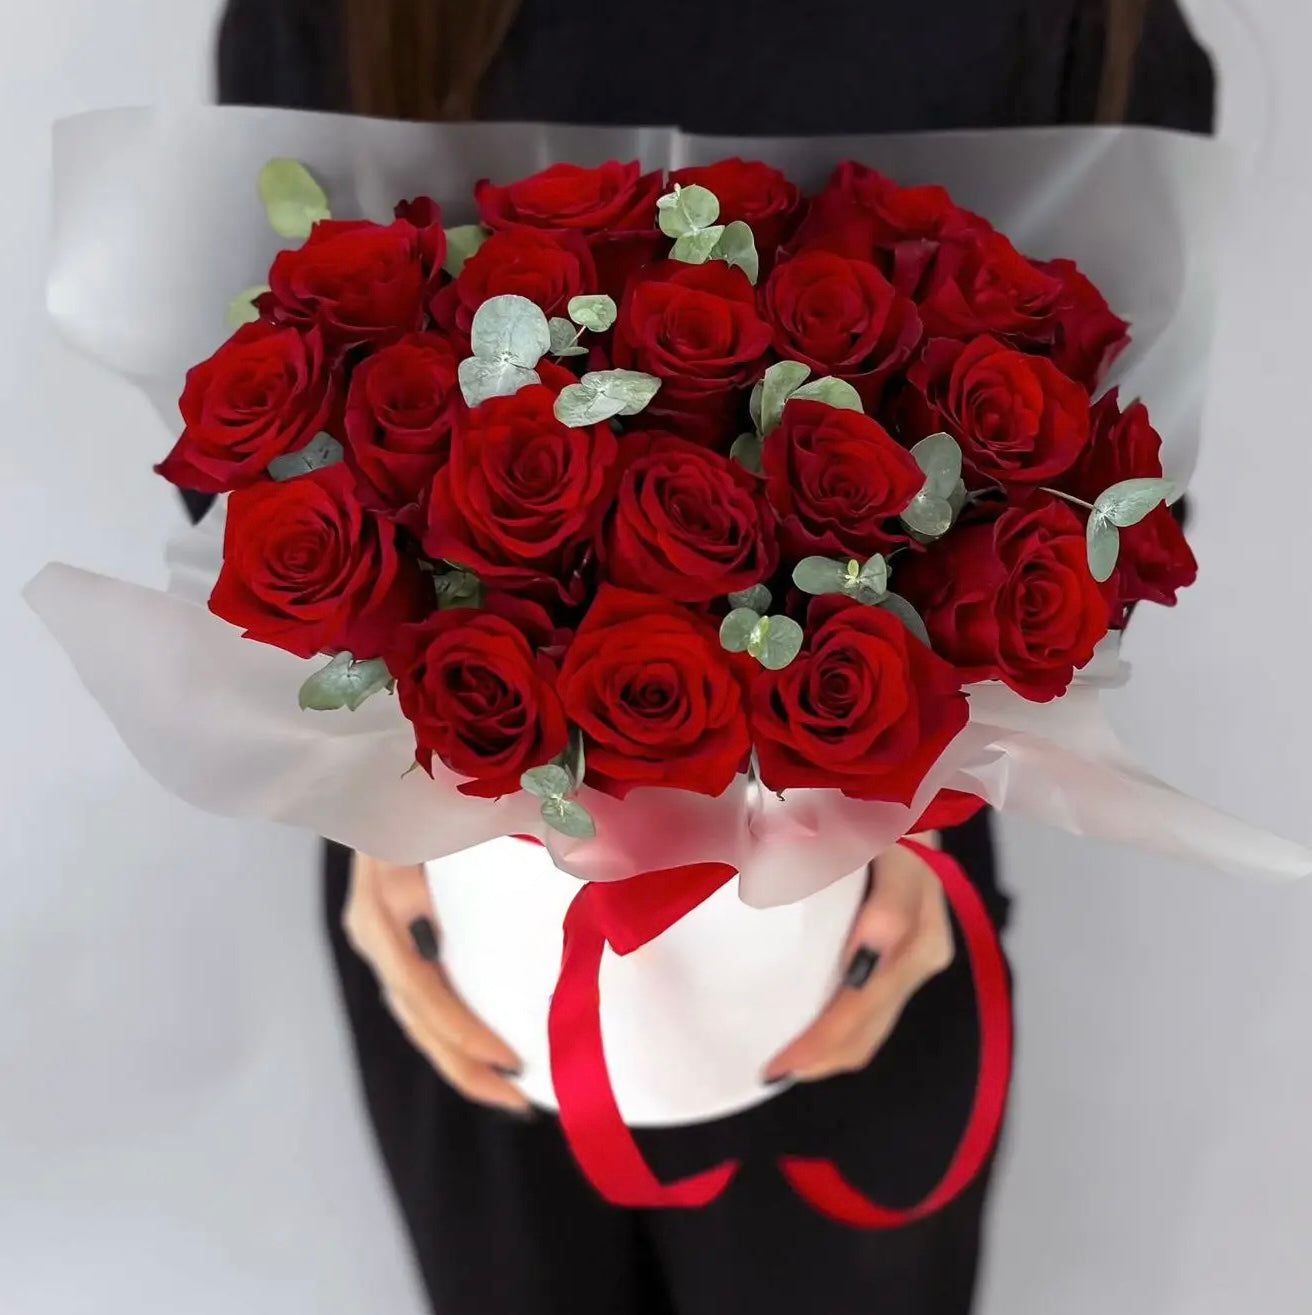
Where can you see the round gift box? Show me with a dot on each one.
(689, 1021)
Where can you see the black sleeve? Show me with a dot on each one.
(281, 53)
(1174, 79)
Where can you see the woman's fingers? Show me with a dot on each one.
(390, 921)
(900, 938)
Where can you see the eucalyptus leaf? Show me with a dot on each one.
(462, 242)
(747, 451)
(1128, 502)
(687, 210)
(565, 338)
(874, 576)
(323, 450)
(737, 629)
(512, 329)
(820, 575)
(603, 394)
(758, 599)
(776, 641)
(595, 312)
(1104, 542)
(696, 248)
(939, 457)
(754, 404)
(481, 380)
(242, 308)
(928, 515)
(907, 614)
(344, 683)
(574, 759)
(549, 782)
(837, 393)
(292, 198)
(781, 380)
(458, 589)
(737, 248)
(570, 818)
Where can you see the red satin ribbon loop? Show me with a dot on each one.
(820, 1183)
(627, 915)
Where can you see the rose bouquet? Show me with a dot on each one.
(656, 481)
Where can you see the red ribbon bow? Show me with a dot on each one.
(627, 915)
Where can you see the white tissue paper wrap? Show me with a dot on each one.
(157, 226)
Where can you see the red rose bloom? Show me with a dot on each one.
(688, 524)
(478, 696)
(1012, 600)
(609, 199)
(306, 568)
(841, 317)
(403, 404)
(866, 708)
(360, 282)
(546, 268)
(266, 392)
(1156, 561)
(755, 193)
(696, 327)
(657, 698)
(982, 284)
(836, 479)
(1088, 337)
(1018, 418)
(523, 496)
(861, 213)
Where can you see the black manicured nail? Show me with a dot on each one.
(864, 963)
(424, 935)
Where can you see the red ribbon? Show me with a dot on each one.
(627, 915)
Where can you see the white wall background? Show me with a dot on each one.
(178, 1126)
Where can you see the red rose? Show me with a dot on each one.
(837, 479)
(696, 328)
(479, 697)
(755, 193)
(1018, 418)
(841, 317)
(1156, 561)
(1012, 600)
(657, 698)
(1088, 337)
(360, 282)
(266, 392)
(522, 496)
(688, 524)
(866, 708)
(306, 568)
(982, 284)
(546, 268)
(861, 212)
(608, 199)
(403, 404)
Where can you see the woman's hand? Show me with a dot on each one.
(901, 938)
(390, 922)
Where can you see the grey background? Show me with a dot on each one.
(178, 1126)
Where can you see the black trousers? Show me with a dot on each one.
(503, 1223)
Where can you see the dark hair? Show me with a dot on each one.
(422, 59)
(426, 59)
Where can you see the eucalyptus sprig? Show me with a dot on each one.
(784, 382)
(457, 587)
(774, 641)
(344, 683)
(591, 312)
(931, 512)
(603, 394)
(322, 451)
(688, 215)
(555, 784)
(462, 242)
(1119, 507)
(823, 575)
(509, 335)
